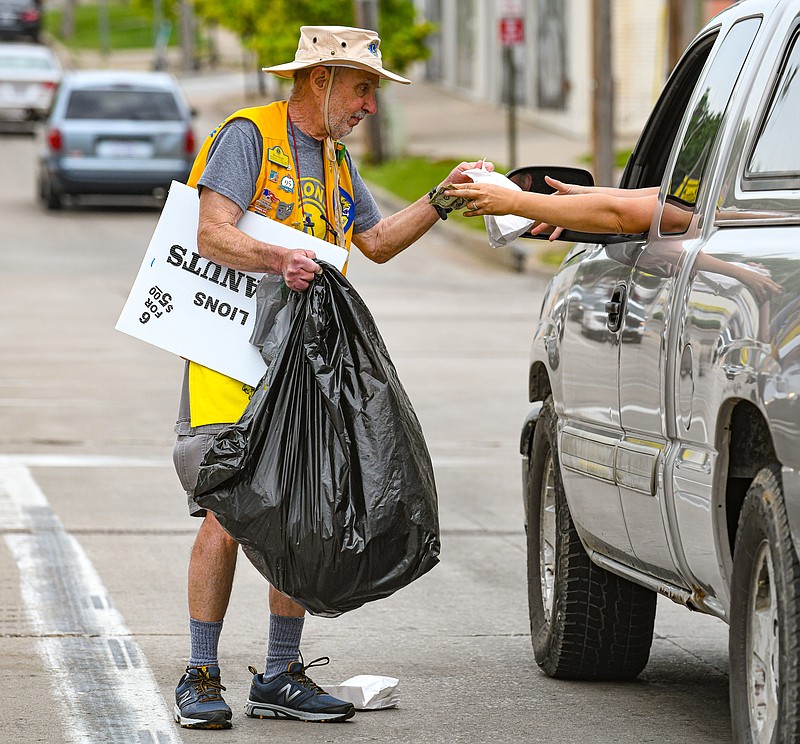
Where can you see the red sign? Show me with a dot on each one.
(512, 31)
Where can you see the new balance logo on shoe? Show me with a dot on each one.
(294, 695)
(184, 698)
(285, 691)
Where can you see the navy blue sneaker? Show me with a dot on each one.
(293, 694)
(198, 700)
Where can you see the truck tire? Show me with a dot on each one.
(764, 642)
(586, 623)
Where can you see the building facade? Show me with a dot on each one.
(554, 75)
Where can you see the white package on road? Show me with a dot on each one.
(367, 692)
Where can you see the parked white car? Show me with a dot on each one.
(29, 76)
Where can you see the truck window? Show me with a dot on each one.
(775, 160)
(704, 123)
(648, 161)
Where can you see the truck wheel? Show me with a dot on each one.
(765, 619)
(586, 623)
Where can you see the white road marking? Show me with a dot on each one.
(99, 676)
(83, 461)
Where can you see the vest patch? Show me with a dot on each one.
(284, 210)
(278, 156)
(348, 209)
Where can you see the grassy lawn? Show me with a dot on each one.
(128, 29)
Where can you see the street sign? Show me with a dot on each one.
(512, 31)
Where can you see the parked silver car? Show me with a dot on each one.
(115, 133)
(29, 75)
(662, 453)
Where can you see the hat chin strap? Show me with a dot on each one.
(330, 154)
(327, 105)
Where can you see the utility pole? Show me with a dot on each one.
(366, 14)
(187, 36)
(603, 94)
(510, 66)
(512, 35)
(68, 19)
(104, 28)
(684, 20)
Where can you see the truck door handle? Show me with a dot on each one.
(615, 308)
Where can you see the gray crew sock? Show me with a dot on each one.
(205, 639)
(284, 643)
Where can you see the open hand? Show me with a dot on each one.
(457, 174)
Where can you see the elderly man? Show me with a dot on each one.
(283, 161)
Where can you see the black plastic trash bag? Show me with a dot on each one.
(326, 480)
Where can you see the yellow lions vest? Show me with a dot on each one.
(215, 398)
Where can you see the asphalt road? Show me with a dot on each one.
(95, 538)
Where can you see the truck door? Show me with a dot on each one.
(653, 302)
(592, 431)
(590, 415)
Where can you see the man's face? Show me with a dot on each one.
(352, 98)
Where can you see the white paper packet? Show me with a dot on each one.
(367, 691)
(502, 229)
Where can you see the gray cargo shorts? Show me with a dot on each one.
(187, 454)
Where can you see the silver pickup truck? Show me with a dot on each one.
(662, 452)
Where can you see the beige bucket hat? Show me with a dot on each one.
(341, 46)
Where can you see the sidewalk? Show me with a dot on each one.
(439, 124)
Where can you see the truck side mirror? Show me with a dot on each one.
(531, 177)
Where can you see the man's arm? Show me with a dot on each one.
(221, 241)
(394, 234)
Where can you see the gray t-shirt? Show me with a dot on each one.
(232, 170)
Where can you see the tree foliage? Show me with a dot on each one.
(271, 30)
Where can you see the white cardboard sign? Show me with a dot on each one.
(196, 308)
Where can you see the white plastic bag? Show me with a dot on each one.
(502, 229)
(367, 692)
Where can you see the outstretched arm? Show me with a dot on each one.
(595, 211)
(562, 188)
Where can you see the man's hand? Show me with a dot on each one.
(457, 174)
(298, 268)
